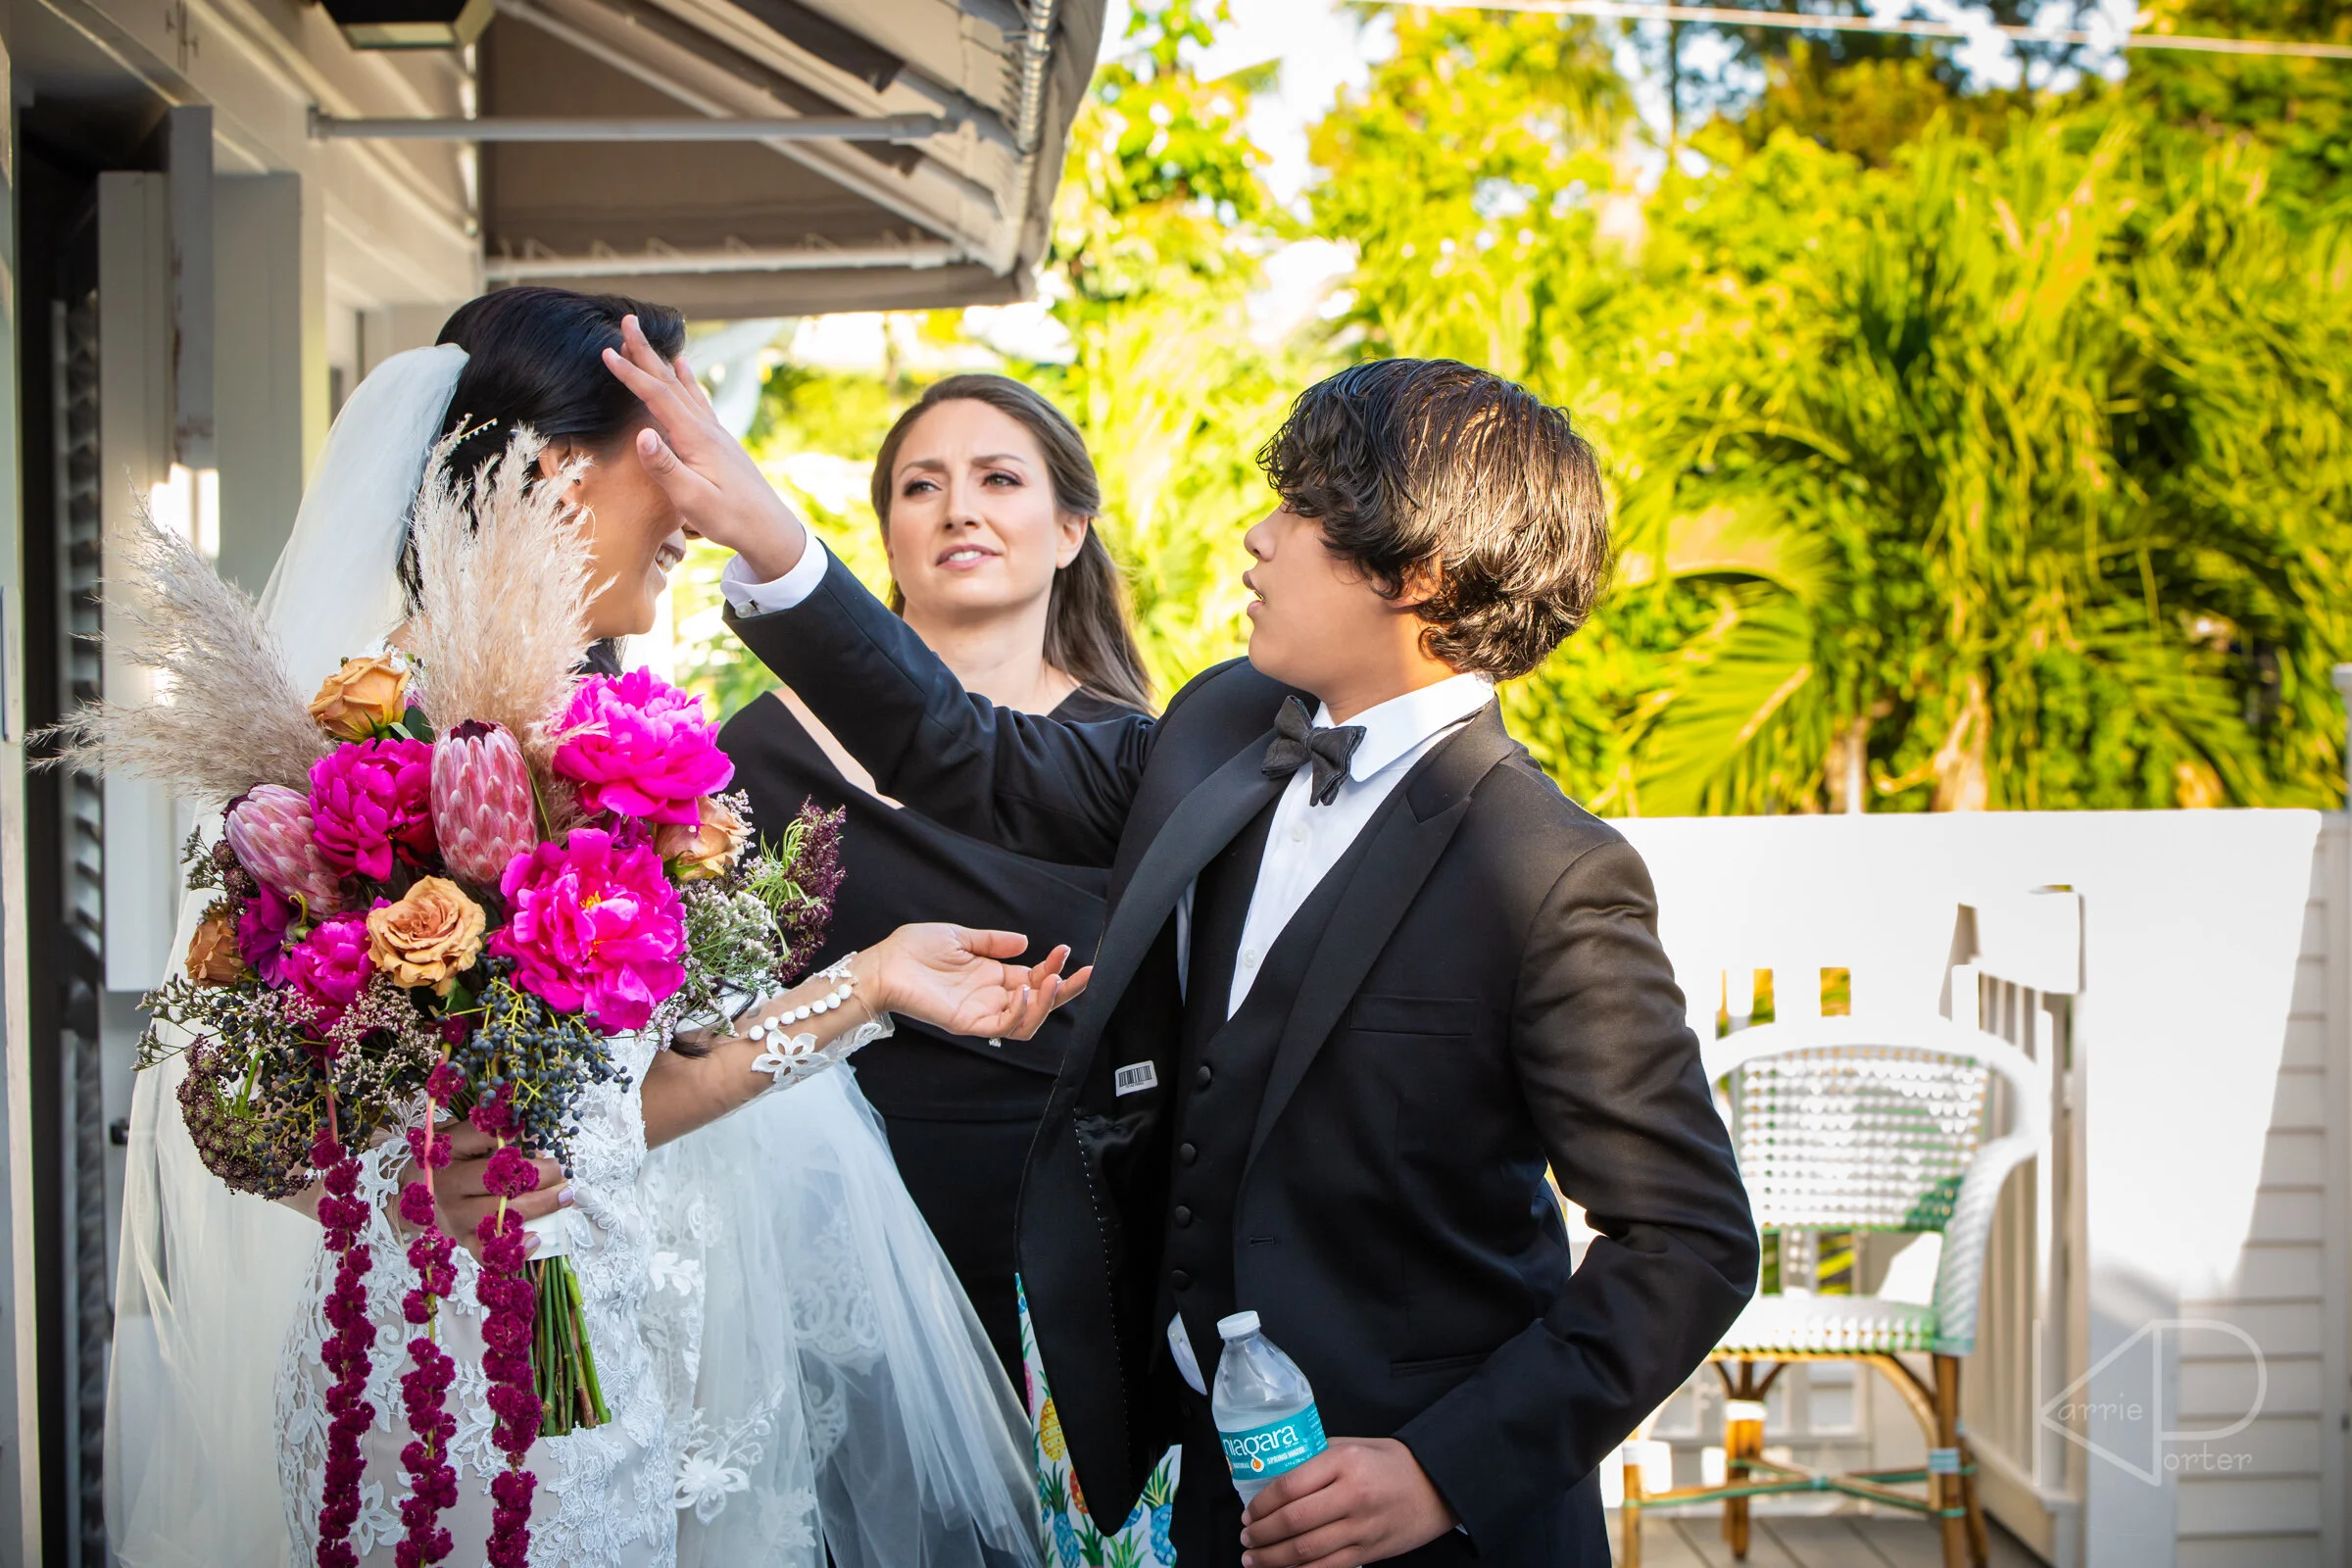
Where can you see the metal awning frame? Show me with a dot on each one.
(668, 262)
(893, 128)
(706, 74)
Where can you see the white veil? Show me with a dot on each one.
(209, 1279)
(835, 1386)
(822, 1284)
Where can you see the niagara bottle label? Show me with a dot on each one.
(1262, 1453)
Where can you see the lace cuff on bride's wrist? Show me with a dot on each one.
(789, 1057)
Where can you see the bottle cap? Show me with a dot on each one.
(1240, 1326)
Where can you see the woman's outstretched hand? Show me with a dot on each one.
(719, 491)
(956, 979)
(462, 1200)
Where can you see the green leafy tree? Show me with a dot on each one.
(1939, 476)
(1997, 451)
(2299, 109)
(1160, 228)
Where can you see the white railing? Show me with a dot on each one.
(2021, 986)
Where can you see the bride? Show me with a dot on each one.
(791, 1368)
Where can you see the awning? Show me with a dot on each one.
(956, 213)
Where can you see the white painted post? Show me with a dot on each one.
(1967, 1003)
(2343, 689)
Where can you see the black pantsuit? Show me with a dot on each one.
(961, 1113)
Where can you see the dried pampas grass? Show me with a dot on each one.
(500, 626)
(225, 715)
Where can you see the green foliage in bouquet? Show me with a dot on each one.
(754, 927)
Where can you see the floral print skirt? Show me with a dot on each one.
(1072, 1537)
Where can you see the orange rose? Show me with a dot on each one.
(213, 958)
(430, 938)
(707, 847)
(361, 698)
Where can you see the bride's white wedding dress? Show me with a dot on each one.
(681, 1451)
(792, 1370)
(605, 1496)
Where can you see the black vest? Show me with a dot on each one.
(1223, 1067)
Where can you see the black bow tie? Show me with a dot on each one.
(1298, 740)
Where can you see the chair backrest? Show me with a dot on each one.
(1858, 1124)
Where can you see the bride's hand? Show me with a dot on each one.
(956, 979)
(719, 491)
(460, 1200)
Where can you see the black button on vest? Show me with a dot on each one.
(1213, 1130)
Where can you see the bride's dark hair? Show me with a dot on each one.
(535, 356)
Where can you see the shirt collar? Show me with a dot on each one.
(1398, 725)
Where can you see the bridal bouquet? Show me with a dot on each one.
(440, 885)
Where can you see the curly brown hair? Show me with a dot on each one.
(1435, 466)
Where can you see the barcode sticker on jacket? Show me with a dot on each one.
(1134, 1078)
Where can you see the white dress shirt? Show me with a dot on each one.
(1306, 839)
(747, 596)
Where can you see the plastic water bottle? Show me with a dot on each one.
(1264, 1409)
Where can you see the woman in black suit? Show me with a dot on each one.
(987, 500)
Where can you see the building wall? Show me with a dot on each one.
(2270, 1507)
(19, 1535)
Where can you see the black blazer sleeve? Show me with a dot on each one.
(1612, 1072)
(1038, 787)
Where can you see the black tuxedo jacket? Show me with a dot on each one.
(1490, 1002)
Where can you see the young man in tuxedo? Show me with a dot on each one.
(1367, 976)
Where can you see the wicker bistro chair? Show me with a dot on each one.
(1863, 1124)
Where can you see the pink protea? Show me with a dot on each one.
(270, 827)
(594, 926)
(641, 747)
(482, 814)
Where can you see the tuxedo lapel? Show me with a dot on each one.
(1069, 1206)
(1408, 839)
(1204, 822)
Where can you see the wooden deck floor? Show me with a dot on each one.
(1827, 1540)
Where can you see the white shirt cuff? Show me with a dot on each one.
(747, 597)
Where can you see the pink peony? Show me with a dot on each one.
(594, 927)
(371, 801)
(331, 966)
(641, 747)
(261, 935)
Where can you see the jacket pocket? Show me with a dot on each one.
(1437, 1364)
(1412, 1015)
